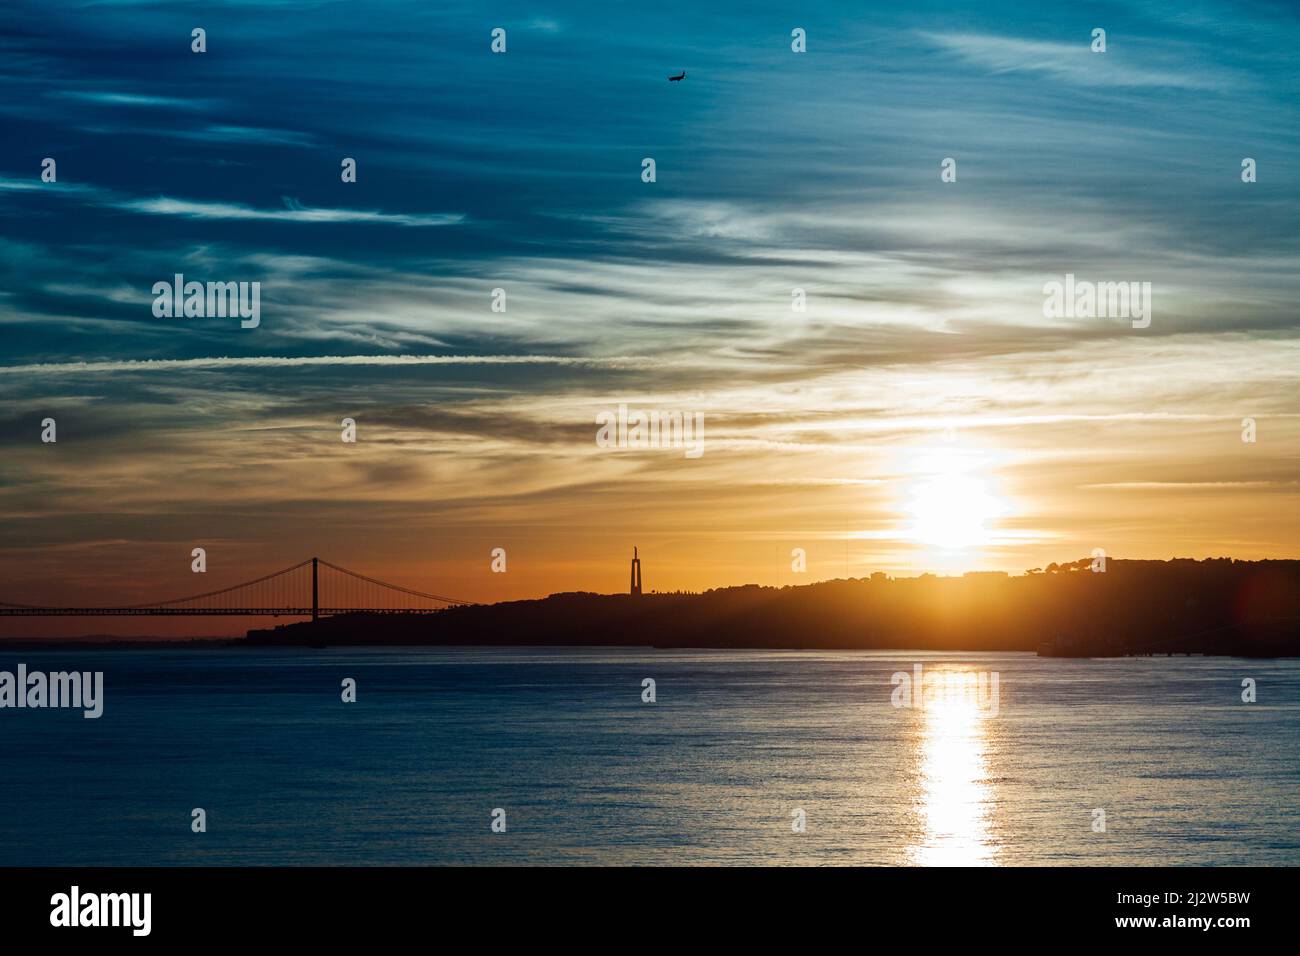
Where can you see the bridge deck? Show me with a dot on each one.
(202, 612)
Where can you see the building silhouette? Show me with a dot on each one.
(636, 574)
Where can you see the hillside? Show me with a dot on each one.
(1219, 606)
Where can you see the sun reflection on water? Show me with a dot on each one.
(955, 796)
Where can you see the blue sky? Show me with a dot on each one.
(775, 170)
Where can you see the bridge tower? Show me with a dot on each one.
(315, 599)
(636, 574)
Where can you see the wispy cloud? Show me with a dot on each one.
(299, 361)
(110, 98)
(293, 212)
(1189, 485)
(1076, 63)
(249, 135)
(56, 188)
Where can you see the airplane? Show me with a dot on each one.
(678, 77)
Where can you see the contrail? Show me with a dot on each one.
(275, 361)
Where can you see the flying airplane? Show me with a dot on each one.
(680, 76)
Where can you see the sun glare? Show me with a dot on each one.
(950, 504)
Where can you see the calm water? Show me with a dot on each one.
(710, 773)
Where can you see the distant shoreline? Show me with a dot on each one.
(242, 645)
(1217, 607)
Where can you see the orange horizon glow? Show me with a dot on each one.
(898, 491)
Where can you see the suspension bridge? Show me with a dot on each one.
(313, 588)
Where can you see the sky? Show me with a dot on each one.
(922, 413)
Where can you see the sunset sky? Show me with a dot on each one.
(922, 415)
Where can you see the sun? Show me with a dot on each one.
(950, 507)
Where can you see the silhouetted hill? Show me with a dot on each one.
(1218, 606)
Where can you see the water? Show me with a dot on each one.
(711, 773)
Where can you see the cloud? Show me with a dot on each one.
(109, 98)
(57, 188)
(293, 210)
(1189, 485)
(276, 361)
(1076, 63)
(250, 135)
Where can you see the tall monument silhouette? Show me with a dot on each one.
(636, 574)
